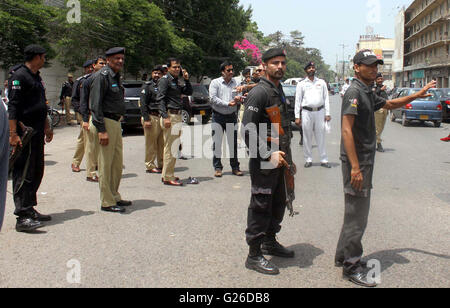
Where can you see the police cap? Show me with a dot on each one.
(379, 75)
(367, 57)
(273, 53)
(32, 50)
(115, 51)
(88, 63)
(310, 64)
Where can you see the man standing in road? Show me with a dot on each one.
(313, 101)
(358, 149)
(108, 107)
(66, 97)
(27, 105)
(224, 101)
(380, 115)
(89, 130)
(4, 153)
(345, 87)
(267, 163)
(170, 89)
(76, 97)
(154, 138)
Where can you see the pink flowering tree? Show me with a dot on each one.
(252, 51)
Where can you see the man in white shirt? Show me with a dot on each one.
(313, 101)
(345, 87)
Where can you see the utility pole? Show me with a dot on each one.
(343, 61)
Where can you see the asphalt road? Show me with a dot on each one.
(194, 236)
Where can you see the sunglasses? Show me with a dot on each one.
(230, 70)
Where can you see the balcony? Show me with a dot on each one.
(433, 25)
(421, 14)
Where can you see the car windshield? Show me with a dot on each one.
(200, 90)
(289, 91)
(433, 96)
(132, 90)
(445, 92)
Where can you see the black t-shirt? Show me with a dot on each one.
(362, 102)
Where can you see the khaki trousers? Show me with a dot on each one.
(171, 146)
(81, 143)
(380, 122)
(92, 145)
(67, 106)
(154, 144)
(110, 165)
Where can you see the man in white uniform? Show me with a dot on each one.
(313, 100)
(345, 87)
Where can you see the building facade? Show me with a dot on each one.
(384, 49)
(426, 43)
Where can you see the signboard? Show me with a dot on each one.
(418, 74)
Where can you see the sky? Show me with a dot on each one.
(327, 25)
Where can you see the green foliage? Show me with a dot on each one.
(23, 22)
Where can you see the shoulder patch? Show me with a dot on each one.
(354, 102)
(16, 83)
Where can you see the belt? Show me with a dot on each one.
(174, 111)
(313, 109)
(112, 116)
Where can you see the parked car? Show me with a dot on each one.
(423, 109)
(444, 97)
(396, 92)
(197, 104)
(132, 116)
(289, 92)
(293, 81)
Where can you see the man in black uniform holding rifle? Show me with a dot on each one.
(358, 149)
(267, 133)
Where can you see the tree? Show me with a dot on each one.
(23, 22)
(137, 25)
(214, 26)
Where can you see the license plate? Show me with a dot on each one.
(424, 117)
(202, 112)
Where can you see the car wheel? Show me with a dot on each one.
(437, 124)
(393, 118)
(405, 122)
(185, 117)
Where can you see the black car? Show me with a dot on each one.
(132, 116)
(289, 92)
(197, 104)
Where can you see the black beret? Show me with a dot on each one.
(272, 53)
(367, 57)
(309, 65)
(34, 50)
(115, 51)
(158, 68)
(88, 63)
(379, 75)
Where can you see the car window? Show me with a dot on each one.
(200, 90)
(439, 93)
(132, 90)
(289, 91)
(433, 96)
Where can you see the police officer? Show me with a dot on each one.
(66, 97)
(380, 115)
(81, 140)
(91, 139)
(154, 138)
(27, 105)
(358, 154)
(107, 108)
(170, 89)
(268, 200)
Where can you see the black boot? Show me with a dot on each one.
(380, 148)
(256, 261)
(39, 217)
(271, 247)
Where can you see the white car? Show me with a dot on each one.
(293, 81)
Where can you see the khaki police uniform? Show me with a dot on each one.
(107, 107)
(170, 105)
(380, 115)
(154, 137)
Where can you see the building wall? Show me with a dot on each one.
(397, 66)
(427, 50)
